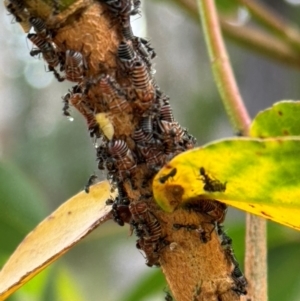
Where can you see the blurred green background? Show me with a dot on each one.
(45, 159)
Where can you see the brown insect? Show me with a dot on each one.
(40, 27)
(215, 210)
(75, 66)
(141, 81)
(18, 10)
(123, 156)
(113, 95)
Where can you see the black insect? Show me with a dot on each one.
(66, 106)
(226, 243)
(168, 296)
(109, 202)
(211, 185)
(148, 229)
(102, 156)
(240, 281)
(121, 212)
(204, 234)
(90, 182)
(188, 227)
(136, 7)
(165, 178)
(49, 52)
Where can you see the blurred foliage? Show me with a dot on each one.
(52, 159)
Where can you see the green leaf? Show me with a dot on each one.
(153, 283)
(22, 206)
(282, 119)
(226, 5)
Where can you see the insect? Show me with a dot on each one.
(153, 156)
(140, 137)
(168, 296)
(211, 185)
(40, 27)
(212, 208)
(148, 229)
(147, 124)
(226, 243)
(142, 82)
(109, 202)
(49, 53)
(239, 280)
(171, 174)
(136, 7)
(66, 106)
(92, 123)
(90, 182)
(75, 66)
(113, 95)
(166, 113)
(124, 158)
(204, 234)
(17, 9)
(102, 156)
(121, 213)
(188, 227)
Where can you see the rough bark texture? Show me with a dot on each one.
(134, 138)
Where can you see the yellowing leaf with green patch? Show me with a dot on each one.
(261, 176)
(55, 235)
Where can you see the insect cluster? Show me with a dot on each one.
(130, 121)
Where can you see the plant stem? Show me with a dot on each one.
(250, 38)
(255, 261)
(221, 67)
(273, 22)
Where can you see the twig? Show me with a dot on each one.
(250, 38)
(273, 22)
(255, 239)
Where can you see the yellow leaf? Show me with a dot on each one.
(55, 235)
(260, 176)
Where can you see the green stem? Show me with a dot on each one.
(250, 38)
(273, 22)
(221, 67)
(255, 240)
